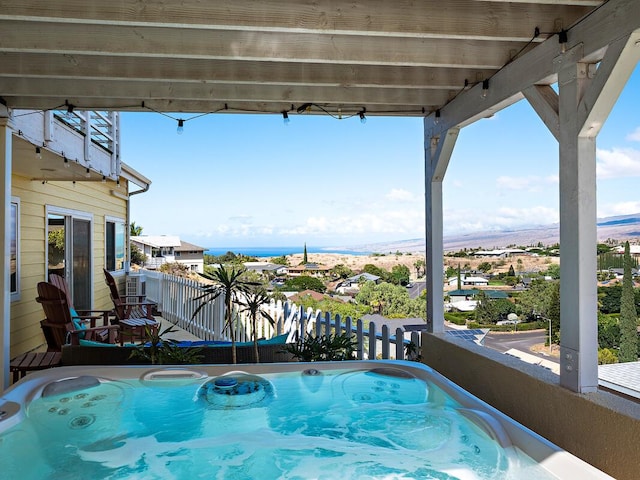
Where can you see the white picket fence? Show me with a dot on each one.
(176, 298)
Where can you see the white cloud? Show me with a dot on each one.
(400, 195)
(634, 136)
(531, 183)
(615, 209)
(396, 222)
(467, 221)
(618, 162)
(457, 184)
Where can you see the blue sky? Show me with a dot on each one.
(248, 180)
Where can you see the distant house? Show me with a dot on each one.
(311, 269)
(190, 255)
(634, 250)
(468, 281)
(465, 299)
(352, 284)
(500, 253)
(266, 267)
(160, 249)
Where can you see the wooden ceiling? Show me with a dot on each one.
(383, 57)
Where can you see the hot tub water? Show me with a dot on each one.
(320, 424)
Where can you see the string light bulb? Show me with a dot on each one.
(118, 183)
(437, 118)
(38, 153)
(88, 173)
(361, 113)
(69, 113)
(180, 126)
(104, 179)
(66, 162)
(485, 88)
(285, 118)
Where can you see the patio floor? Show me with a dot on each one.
(179, 334)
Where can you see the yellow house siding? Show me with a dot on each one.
(93, 198)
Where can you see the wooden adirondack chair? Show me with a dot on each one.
(133, 313)
(60, 282)
(59, 328)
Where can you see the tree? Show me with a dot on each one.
(490, 311)
(377, 271)
(400, 274)
(281, 260)
(554, 271)
(512, 272)
(389, 300)
(230, 284)
(135, 230)
(254, 301)
(419, 266)
(342, 271)
(485, 267)
(137, 257)
(304, 282)
(628, 315)
(608, 332)
(553, 313)
(305, 260)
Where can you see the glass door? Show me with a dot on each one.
(69, 254)
(81, 273)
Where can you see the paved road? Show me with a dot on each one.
(520, 341)
(416, 289)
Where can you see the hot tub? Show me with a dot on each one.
(346, 420)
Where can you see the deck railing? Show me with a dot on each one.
(176, 298)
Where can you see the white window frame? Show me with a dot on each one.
(111, 219)
(67, 212)
(16, 295)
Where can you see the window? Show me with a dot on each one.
(15, 249)
(114, 244)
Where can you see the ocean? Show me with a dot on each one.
(278, 251)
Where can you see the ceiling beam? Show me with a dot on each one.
(586, 41)
(205, 105)
(139, 91)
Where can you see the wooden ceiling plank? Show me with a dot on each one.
(153, 42)
(453, 18)
(139, 91)
(87, 67)
(204, 106)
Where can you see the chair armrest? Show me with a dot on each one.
(96, 314)
(75, 334)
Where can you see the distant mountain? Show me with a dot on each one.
(623, 227)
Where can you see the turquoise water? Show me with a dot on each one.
(339, 425)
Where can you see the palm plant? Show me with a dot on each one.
(253, 302)
(229, 283)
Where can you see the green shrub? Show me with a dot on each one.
(607, 356)
(521, 327)
(457, 318)
(323, 348)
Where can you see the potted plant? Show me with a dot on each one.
(165, 351)
(228, 282)
(254, 300)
